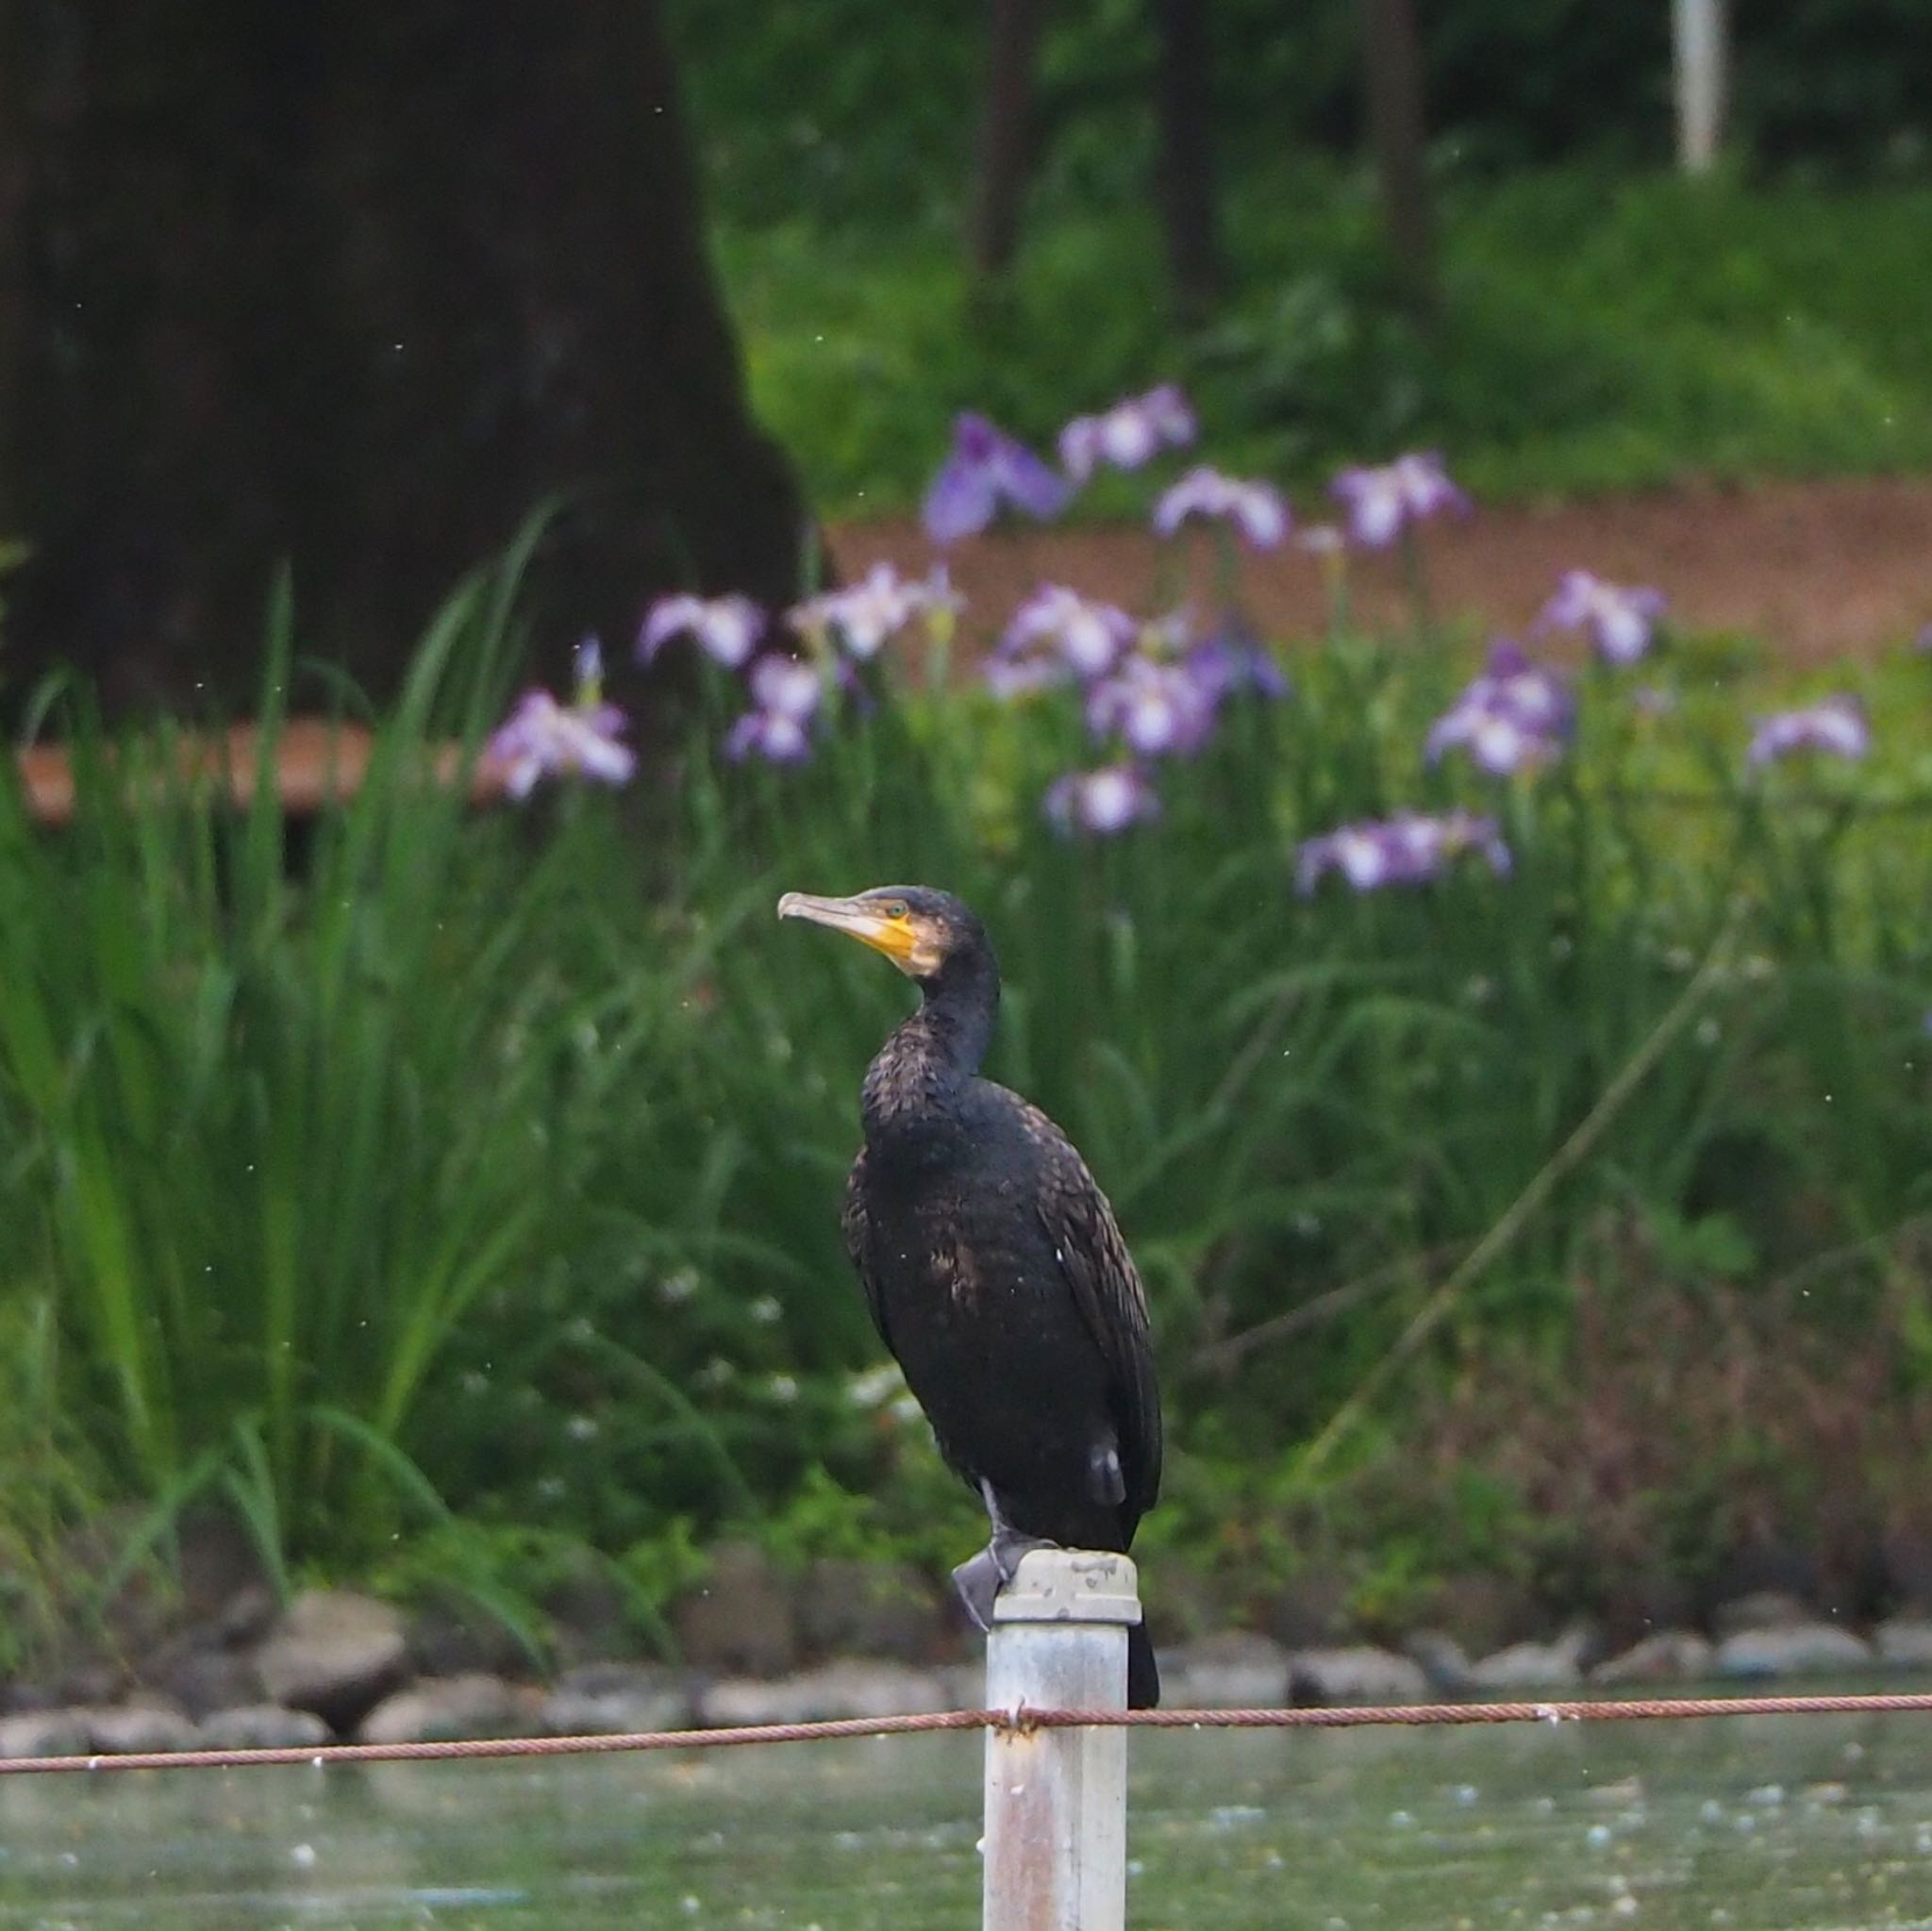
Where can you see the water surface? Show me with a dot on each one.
(1813, 1824)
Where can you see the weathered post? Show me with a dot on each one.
(1698, 36)
(1056, 1845)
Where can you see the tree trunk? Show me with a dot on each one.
(357, 288)
(1186, 157)
(1006, 136)
(1393, 74)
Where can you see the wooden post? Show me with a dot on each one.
(1056, 1845)
(1698, 40)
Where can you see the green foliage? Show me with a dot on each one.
(268, 1145)
(473, 1179)
(52, 1490)
(879, 102)
(1600, 332)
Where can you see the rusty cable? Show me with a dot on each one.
(1636, 1709)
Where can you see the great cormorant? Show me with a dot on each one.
(993, 1266)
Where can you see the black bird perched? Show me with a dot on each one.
(993, 1266)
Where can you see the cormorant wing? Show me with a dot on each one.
(857, 1227)
(1113, 1303)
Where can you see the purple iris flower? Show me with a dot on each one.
(1103, 802)
(1234, 659)
(542, 737)
(987, 468)
(1130, 434)
(1256, 510)
(727, 629)
(785, 699)
(865, 615)
(1383, 502)
(1407, 849)
(1833, 725)
(1088, 636)
(1155, 709)
(1621, 620)
(1515, 715)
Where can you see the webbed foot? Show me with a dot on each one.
(981, 1579)
(979, 1582)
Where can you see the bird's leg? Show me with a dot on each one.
(981, 1579)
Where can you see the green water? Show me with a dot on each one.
(1753, 1824)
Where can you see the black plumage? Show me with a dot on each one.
(993, 1266)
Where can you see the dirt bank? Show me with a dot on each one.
(1821, 570)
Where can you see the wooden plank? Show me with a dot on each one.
(319, 762)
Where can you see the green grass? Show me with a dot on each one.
(474, 1181)
(1600, 332)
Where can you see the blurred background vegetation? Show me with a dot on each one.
(1605, 324)
(452, 1194)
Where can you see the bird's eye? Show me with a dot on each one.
(897, 910)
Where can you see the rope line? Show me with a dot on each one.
(1636, 1709)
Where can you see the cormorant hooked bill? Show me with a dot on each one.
(993, 1266)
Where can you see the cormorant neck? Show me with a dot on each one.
(935, 1051)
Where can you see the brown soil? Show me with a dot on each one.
(1820, 569)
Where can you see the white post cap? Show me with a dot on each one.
(1069, 1586)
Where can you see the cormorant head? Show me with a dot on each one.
(919, 929)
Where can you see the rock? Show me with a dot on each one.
(142, 1608)
(247, 1615)
(203, 1680)
(1311, 1611)
(869, 1610)
(1770, 1570)
(263, 1726)
(1808, 1649)
(1671, 1655)
(1904, 1642)
(218, 1565)
(1485, 1613)
(140, 1730)
(1647, 1601)
(1535, 1665)
(89, 1684)
(336, 1653)
(616, 1699)
(441, 1707)
(844, 1689)
(1443, 1660)
(46, 1733)
(452, 1640)
(75, 1686)
(589, 1619)
(1760, 1609)
(1236, 1670)
(741, 1621)
(1905, 1568)
(1362, 1675)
